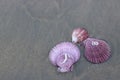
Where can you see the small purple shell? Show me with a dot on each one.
(96, 50)
(64, 55)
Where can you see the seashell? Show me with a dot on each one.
(79, 35)
(96, 50)
(64, 55)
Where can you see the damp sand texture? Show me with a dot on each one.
(30, 28)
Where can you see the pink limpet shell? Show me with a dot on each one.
(96, 50)
(64, 55)
(79, 35)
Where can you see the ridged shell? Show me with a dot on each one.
(79, 35)
(64, 47)
(96, 50)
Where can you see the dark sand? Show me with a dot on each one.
(30, 28)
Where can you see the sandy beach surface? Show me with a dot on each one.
(30, 28)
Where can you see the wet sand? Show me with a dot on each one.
(30, 28)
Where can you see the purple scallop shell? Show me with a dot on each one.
(64, 55)
(96, 50)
